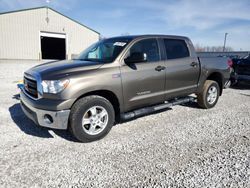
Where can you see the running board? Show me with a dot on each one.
(151, 109)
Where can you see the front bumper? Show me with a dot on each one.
(243, 77)
(56, 120)
(239, 77)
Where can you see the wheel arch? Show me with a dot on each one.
(110, 96)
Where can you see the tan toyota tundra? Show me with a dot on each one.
(120, 78)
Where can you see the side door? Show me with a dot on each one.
(182, 70)
(143, 82)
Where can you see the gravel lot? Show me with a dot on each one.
(181, 147)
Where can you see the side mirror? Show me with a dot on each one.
(136, 57)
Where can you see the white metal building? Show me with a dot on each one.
(42, 33)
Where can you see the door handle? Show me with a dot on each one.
(194, 64)
(160, 68)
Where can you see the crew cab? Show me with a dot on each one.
(120, 78)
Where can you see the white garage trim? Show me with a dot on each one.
(54, 35)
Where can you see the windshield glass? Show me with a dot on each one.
(104, 51)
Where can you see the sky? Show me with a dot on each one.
(205, 22)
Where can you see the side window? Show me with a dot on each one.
(176, 48)
(147, 46)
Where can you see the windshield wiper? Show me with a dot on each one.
(83, 59)
(92, 60)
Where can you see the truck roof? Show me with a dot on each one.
(131, 37)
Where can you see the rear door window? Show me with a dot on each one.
(176, 48)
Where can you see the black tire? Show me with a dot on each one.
(80, 108)
(202, 98)
(235, 84)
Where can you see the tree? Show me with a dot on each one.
(200, 48)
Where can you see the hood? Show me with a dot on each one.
(57, 69)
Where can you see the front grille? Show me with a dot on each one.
(30, 87)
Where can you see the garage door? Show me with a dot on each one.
(53, 46)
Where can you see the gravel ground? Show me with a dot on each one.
(181, 147)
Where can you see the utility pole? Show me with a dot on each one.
(225, 40)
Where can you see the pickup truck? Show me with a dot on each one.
(241, 71)
(120, 78)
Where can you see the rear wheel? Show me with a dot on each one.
(91, 118)
(209, 95)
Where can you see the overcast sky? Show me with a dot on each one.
(204, 21)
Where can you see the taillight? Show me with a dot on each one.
(230, 63)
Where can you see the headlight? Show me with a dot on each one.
(54, 86)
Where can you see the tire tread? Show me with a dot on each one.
(75, 113)
(201, 97)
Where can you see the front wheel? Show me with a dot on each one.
(209, 95)
(91, 118)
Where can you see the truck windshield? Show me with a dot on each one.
(104, 51)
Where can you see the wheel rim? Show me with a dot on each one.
(94, 120)
(212, 95)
